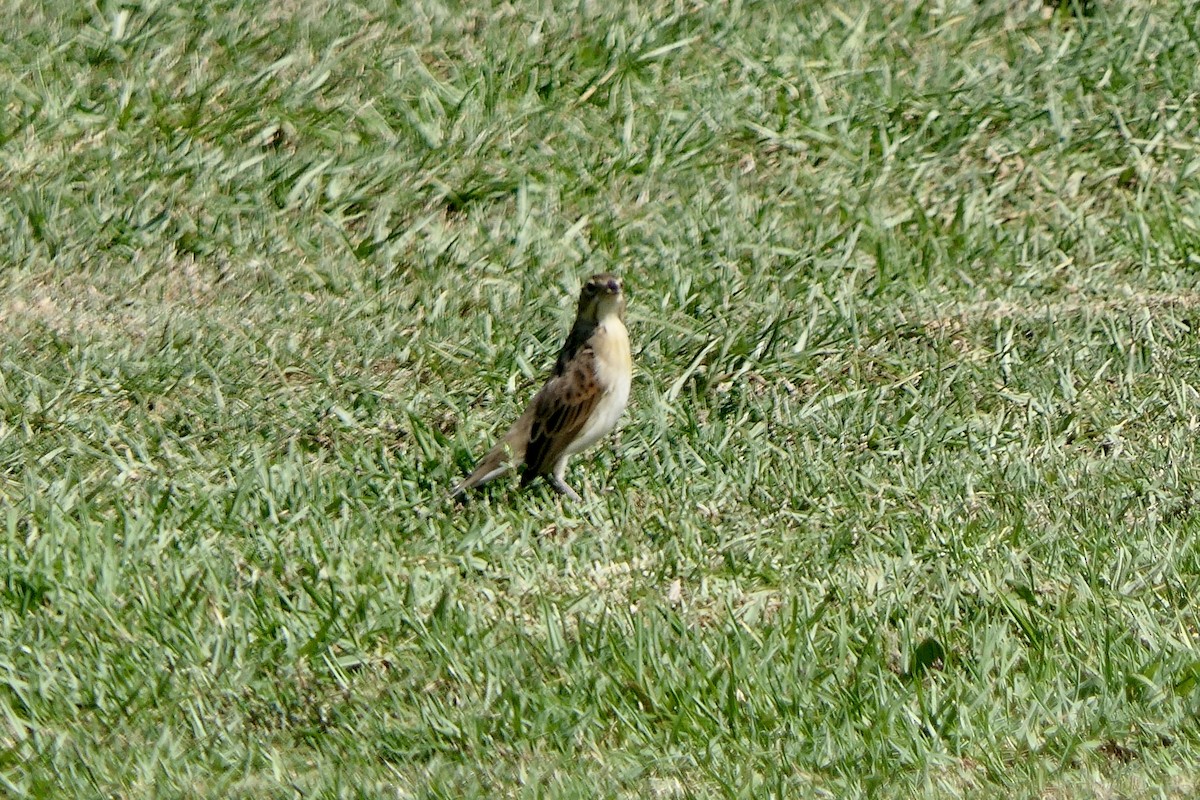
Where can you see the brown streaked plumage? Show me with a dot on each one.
(581, 402)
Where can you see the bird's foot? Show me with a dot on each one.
(560, 486)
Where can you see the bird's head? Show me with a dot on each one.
(600, 297)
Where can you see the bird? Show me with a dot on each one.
(585, 395)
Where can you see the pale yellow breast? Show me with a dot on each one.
(614, 373)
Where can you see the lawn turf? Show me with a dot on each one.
(905, 501)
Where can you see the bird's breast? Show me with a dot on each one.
(614, 374)
(614, 365)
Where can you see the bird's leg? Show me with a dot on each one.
(560, 486)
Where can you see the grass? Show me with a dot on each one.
(905, 501)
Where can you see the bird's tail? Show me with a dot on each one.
(492, 466)
(506, 455)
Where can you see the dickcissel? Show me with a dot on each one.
(580, 403)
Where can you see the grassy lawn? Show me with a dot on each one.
(906, 500)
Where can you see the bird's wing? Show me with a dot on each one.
(560, 411)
